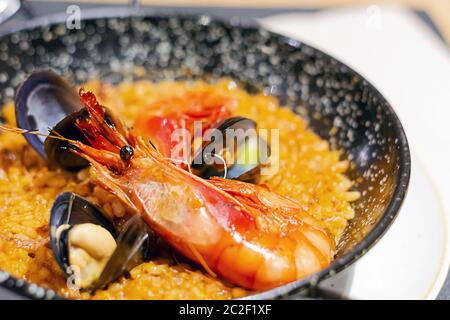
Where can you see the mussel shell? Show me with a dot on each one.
(42, 100)
(236, 123)
(72, 209)
(61, 246)
(136, 243)
(243, 172)
(57, 151)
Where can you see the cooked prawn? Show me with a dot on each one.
(242, 232)
(162, 118)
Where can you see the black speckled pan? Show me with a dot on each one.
(325, 91)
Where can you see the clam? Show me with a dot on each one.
(234, 151)
(45, 101)
(90, 249)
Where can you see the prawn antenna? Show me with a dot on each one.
(151, 143)
(225, 169)
(52, 135)
(180, 162)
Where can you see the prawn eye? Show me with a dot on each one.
(126, 152)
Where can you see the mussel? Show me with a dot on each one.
(45, 101)
(90, 248)
(234, 151)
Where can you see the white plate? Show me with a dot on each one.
(409, 261)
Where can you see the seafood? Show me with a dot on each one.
(241, 159)
(46, 101)
(246, 234)
(82, 237)
(42, 100)
(308, 173)
(89, 248)
(200, 114)
(164, 121)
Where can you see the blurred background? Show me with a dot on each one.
(437, 11)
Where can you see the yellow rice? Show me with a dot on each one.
(310, 172)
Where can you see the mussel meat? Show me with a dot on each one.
(90, 248)
(234, 151)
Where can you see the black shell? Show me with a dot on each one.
(136, 242)
(238, 171)
(42, 100)
(57, 151)
(72, 209)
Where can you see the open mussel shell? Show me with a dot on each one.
(42, 100)
(236, 136)
(57, 151)
(135, 242)
(70, 209)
